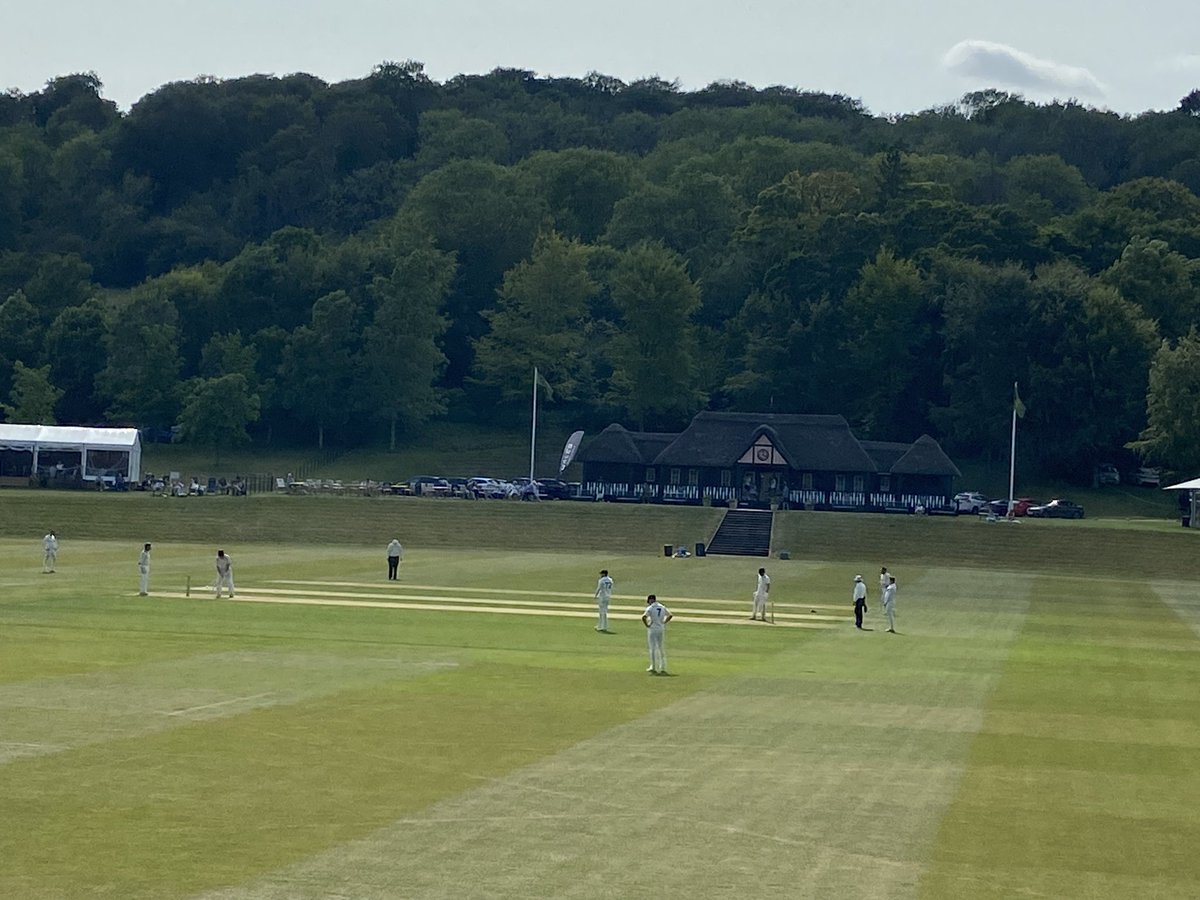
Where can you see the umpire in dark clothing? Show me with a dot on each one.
(860, 600)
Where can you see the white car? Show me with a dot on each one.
(1145, 477)
(1106, 473)
(970, 502)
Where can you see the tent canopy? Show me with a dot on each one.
(110, 449)
(1193, 485)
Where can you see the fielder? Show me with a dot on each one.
(760, 596)
(395, 553)
(604, 589)
(144, 572)
(860, 601)
(655, 618)
(224, 573)
(883, 582)
(49, 553)
(889, 603)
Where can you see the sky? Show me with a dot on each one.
(895, 57)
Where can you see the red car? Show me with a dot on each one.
(1020, 506)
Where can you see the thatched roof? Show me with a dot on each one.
(810, 443)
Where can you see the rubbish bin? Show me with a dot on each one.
(668, 550)
(701, 550)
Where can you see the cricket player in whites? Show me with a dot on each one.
(144, 572)
(655, 618)
(604, 589)
(761, 590)
(889, 603)
(224, 573)
(50, 553)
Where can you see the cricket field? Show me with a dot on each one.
(462, 732)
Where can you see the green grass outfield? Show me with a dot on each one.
(464, 732)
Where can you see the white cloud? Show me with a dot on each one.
(999, 64)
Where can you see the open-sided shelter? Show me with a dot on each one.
(64, 453)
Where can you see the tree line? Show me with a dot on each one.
(282, 258)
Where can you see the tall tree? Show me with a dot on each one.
(322, 365)
(76, 352)
(542, 321)
(142, 376)
(216, 411)
(1088, 370)
(20, 337)
(653, 355)
(1172, 433)
(890, 339)
(33, 396)
(1165, 284)
(401, 356)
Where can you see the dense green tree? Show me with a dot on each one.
(58, 281)
(20, 330)
(891, 332)
(76, 352)
(33, 396)
(581, 187)
(216, 411)
(141, 379)
(1044, 186)
(694, 214)
(447, 135)
(655, 376)
(1165, 284)
(401, 357)
(542, 321)
(488, 216)
(1089, 359)
(322, 364)
(987, 343)
(1172, 434)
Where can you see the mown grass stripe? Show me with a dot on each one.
(1084, 771)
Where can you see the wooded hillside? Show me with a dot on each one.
(282, 257)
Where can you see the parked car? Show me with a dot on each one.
(1106, 473)
(553, 489)
(1057, 509)
(1145, 477)
(430, 484)
(1021, 506)
(486, 488)
(969, 502)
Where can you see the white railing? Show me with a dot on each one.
(690, 492)
(928, 501)
(814, 498)
(848, 498)
(680, 492)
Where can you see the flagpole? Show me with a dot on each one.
(1012, 464)
(1012, 454)
(533, 429)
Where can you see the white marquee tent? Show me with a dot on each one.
(70, 451)
(1188, 509)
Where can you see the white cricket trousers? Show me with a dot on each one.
(225, 580)
(658, 655)
(890, 609)
(760, 606)
(144, 579)
(602, 606)
(49, 562)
